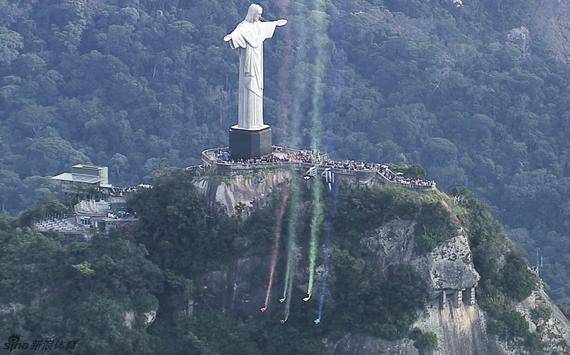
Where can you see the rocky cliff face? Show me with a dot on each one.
(459, 331)
(552, 326)
(241, 193)
(448, 271)
(448, 267)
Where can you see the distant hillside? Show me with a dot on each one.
(477, 93)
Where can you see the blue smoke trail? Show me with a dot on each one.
(327, 251)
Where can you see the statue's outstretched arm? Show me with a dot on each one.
(227, 38)
(281, 22)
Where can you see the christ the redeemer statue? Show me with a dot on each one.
(248, 38)
(251, 137)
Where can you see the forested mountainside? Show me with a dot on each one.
(189, 278)
(478, 93)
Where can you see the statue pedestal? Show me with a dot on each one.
(246, 143)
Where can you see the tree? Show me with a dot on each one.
(10, 45)
(35, 118)
(119, 162)
(177, 225)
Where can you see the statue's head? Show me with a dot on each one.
(254, 13)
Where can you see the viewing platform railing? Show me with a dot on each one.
(210, 159)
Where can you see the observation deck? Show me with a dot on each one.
(302, 160)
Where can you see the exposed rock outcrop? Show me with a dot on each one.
(448, 267)
(552, 327)
(459, 330)
(129, 319)
(241, 193)
(521, 37)
(133, 319)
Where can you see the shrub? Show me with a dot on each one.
(540, 313)
(424, 341)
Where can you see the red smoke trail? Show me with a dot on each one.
(275, 251)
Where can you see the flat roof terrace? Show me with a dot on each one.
(81, 178)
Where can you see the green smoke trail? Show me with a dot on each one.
(291, 235)
(299, 74)
(286, 286)
(287, 274)
(316, 220)
(289, 292)
(320, 39)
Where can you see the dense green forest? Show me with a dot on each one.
(141, 85)
(84, 290)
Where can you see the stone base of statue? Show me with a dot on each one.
(249, 143)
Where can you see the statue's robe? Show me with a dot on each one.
(249, 37)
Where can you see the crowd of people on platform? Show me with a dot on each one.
(116, 191)
(418, 183)
(381, 169)
(279, 155)
(350, 165)
(317, 158)
(119, 191)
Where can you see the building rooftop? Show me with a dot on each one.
(82, 178)
(91, 166)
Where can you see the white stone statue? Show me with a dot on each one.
(248, 37)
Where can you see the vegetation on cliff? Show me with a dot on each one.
(86, 290)
(505, 277)
(76, 291)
